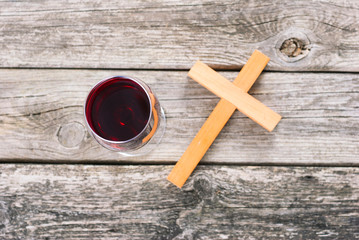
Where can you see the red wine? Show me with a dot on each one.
(118, 109)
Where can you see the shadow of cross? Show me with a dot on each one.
(233, 96)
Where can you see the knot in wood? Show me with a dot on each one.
(202, 184)
(71, 134)
(293, 47)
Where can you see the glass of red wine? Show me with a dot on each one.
(123, 114)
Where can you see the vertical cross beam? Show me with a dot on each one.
(222, 112)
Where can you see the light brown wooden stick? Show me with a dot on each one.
(244, 102)
(216, 121)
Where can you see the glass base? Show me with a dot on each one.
(153, 142)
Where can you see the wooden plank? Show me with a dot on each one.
(296, 35)
(41, 118)
(137, 202)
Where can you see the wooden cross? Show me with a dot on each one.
(233, 95)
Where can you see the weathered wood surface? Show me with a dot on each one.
(41, 118)
(137, 202)
(318, 35)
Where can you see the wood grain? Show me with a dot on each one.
(244, 102)
(137, 202)
(296, 35)
(41, 118)
(216, 121)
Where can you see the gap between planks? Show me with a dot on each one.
(154, 163)
(236, 69)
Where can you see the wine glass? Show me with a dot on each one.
(124, 115)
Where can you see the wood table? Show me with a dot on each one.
(300, 181)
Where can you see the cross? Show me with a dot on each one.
(233, 96)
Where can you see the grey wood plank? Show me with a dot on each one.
(41, 118)
(218, 202)
(297, 35)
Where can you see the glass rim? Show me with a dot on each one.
(136, 80)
